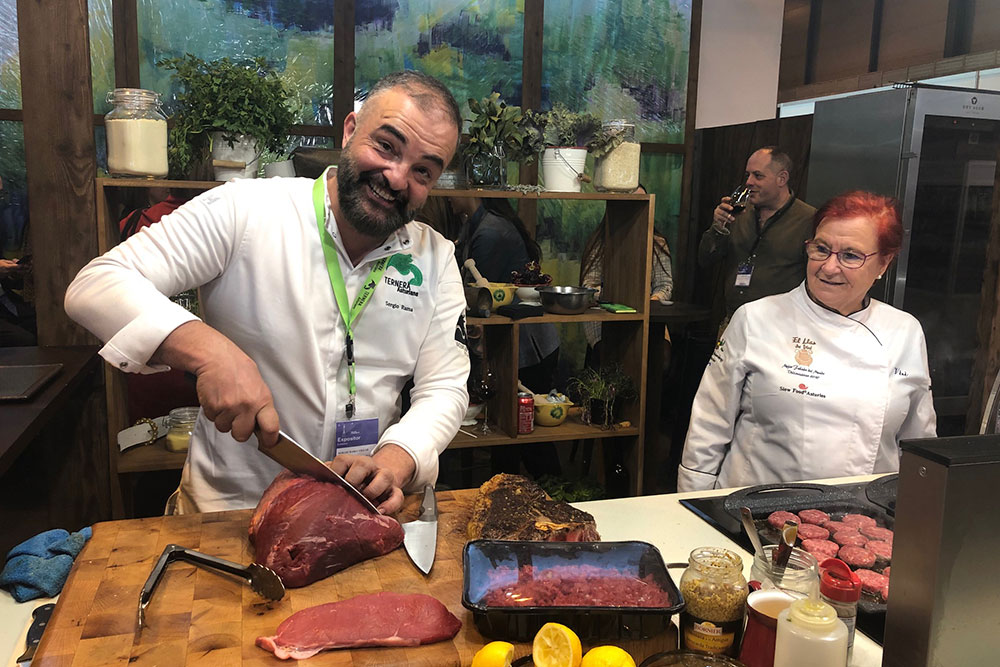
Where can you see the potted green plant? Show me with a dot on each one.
(221, 103)
(495, 136)
(599, 390)
(566, 135)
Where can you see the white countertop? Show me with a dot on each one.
(660, 520)
(676, 531)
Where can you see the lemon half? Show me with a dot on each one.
(607, 656)
(494, 654)
(556, 645)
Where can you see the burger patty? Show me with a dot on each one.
(886, 571)
(849, 537)
(858, 520)
(872, 582)
(822, 549)
(856, 556)
(810, 531)
(881, 549)
(778, 519)
(834, 526)
(817, 517)
(877, 533)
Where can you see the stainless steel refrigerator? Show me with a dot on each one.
(934, 148)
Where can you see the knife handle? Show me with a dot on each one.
(429, 502)
(40, 618)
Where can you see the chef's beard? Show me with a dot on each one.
(351, 199)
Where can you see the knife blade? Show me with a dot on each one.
(420, 535)
(296, 458)
(40, 618)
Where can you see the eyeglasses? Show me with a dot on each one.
(847, 258)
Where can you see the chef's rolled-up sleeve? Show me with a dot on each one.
(122, 297)
(439, 396)
(715, 409)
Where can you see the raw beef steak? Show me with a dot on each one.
(375, 619)
(305, 530)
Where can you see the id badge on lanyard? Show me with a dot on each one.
(743, 274)
(356, 433)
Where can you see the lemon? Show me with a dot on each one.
(607, 656)
(556, 645)
(494, 654)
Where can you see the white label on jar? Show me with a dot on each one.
(137, 146)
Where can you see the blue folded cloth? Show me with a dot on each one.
(38, 567)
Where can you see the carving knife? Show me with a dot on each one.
(420, 535)
(293, 456)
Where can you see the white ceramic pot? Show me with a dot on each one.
(562, 167)
(244, 150)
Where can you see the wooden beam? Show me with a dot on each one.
(343, 66)
(812, 39)
(684, 256)
(59, 155)
(125, 28)
(11, 114)
(531, 98)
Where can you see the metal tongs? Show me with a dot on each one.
(262, 580)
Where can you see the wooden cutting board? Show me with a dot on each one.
(199, 617)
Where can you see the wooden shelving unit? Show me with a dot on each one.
(627, 267)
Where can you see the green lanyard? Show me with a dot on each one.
(350, 316)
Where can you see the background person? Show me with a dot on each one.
(760, 247)
(822, 381)
(269, 256)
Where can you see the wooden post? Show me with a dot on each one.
(59, 155)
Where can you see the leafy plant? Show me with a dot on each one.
(496, 130)
(607, 138)
(561, 127)
(223, 96)
(604, 386)
(571, 491)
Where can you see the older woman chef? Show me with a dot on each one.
(822, 381)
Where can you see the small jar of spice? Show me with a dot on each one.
(180, 426)
(715, 594)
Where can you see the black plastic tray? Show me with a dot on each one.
(519, 624)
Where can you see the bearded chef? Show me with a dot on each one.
(321, 300)
(822, 381)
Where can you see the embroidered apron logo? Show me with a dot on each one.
(405, 266)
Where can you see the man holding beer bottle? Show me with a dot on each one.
(759, 232)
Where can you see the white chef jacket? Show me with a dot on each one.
(795, 391)
(254, 248)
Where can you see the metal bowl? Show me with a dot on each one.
(566, 300)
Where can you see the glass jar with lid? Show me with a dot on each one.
(617, 170)
(800, 574)
(715, 594)
(180, 426)
(136, 132)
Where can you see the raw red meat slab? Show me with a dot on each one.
(849, 537)
(858, 520)
(877, 533)
(810, 531)
(857, 556)
(305, 530)
(376, 619)
(871, 581)
(834, 526)
(817, 517)
(778, 519)
(881, 549)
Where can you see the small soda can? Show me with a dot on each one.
(525, 412)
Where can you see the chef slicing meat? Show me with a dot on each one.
(821, 381)
(321, 300)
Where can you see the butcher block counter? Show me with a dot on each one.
(199, 617)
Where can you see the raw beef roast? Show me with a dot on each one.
(511, 507)
(305, 530)
(377, 619)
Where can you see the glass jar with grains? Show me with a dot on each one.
(136, 131)
(617, 170)
(715, 594)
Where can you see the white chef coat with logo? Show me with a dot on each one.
(795, 391)
(254, 248)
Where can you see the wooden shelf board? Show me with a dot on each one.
(144, 458)
(568, 430)
(514, 194)
(110, 182)
(590, 315)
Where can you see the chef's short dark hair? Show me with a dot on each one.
(781, 160)
(423, 88)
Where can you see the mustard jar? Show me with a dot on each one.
(180, 426)
(616, 169)
(715, 594)
(136, 132)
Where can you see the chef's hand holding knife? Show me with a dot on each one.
(236, 399)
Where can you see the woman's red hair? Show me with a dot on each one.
(882, 211)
